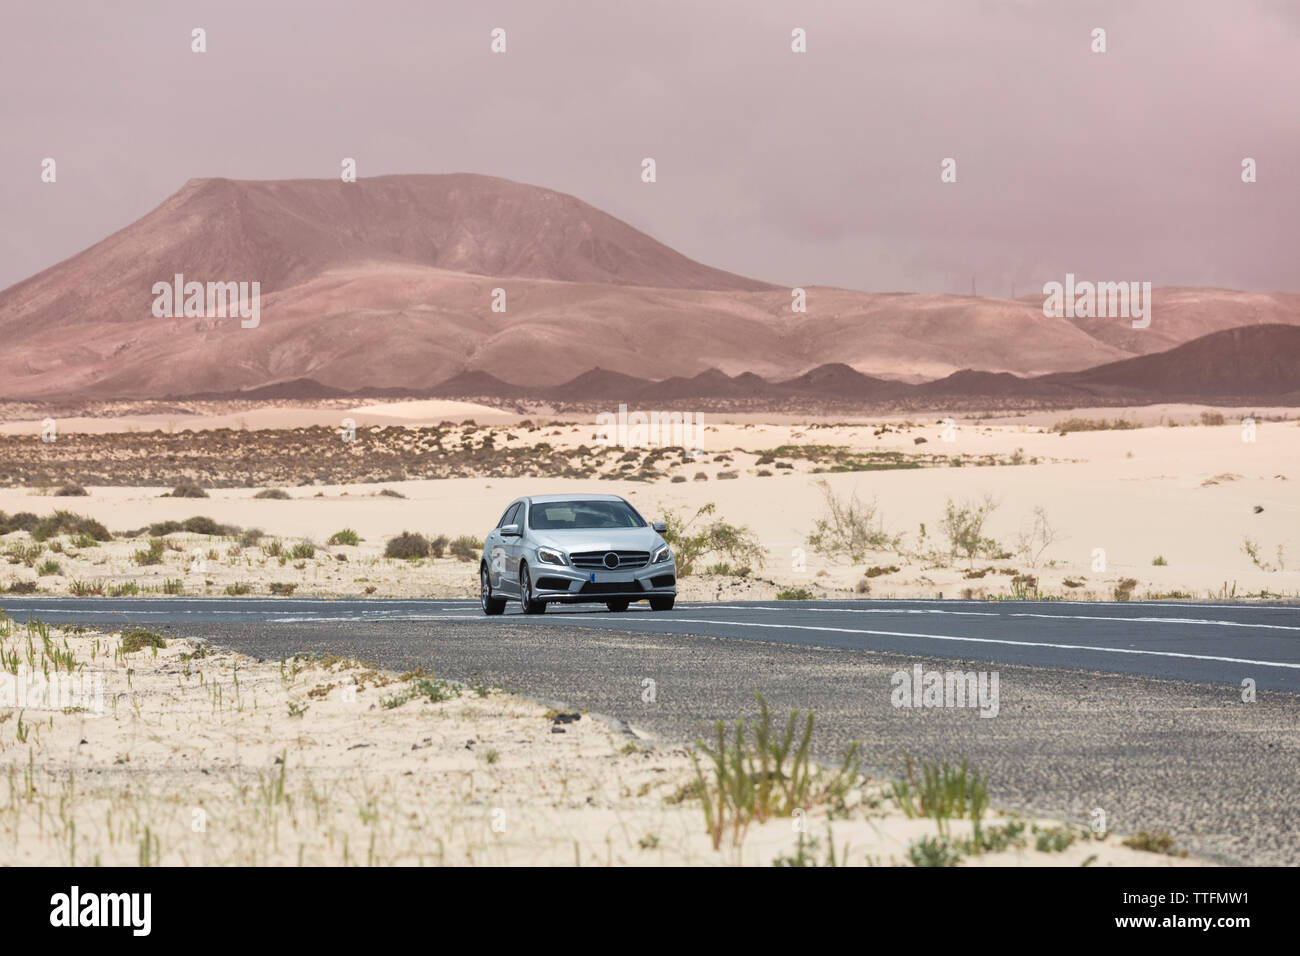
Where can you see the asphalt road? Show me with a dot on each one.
(1194, 642)
(1133, 709)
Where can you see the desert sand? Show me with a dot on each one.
(269, 416)
(1174, 506)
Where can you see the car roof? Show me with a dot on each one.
(541, 499)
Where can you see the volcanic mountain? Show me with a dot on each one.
(391, 282)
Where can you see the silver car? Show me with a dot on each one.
(576, 549)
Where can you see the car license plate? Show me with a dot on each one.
(611, 578)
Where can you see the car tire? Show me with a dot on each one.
(618, 604)
(492, 605)
(663, 603)
(526, 601)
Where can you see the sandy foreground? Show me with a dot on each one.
(1190, 512)
(190, 755)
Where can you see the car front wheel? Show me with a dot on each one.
(526, 600)
(618, 604)
(662, 603)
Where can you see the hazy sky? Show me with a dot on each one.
(815, 168)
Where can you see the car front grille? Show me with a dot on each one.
(610, 587)
(595, 560)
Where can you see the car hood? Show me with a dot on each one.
(600, 539)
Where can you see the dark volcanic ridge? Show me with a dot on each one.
(1248, 364)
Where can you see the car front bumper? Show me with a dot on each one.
(566, 584)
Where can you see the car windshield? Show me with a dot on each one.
(562, 515)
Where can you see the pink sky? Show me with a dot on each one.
(821, 168)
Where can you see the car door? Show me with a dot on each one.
(514, 546)
(497, 547)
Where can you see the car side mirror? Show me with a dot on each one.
(660, 526)
(510, 531)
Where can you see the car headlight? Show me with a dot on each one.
(550, 556)
(662, 555)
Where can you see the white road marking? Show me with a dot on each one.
(846, 610)
(1050, 617)
(316, 619)
(978, 602)
(971, 640)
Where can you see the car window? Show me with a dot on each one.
(508, 517)
(575, 514)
